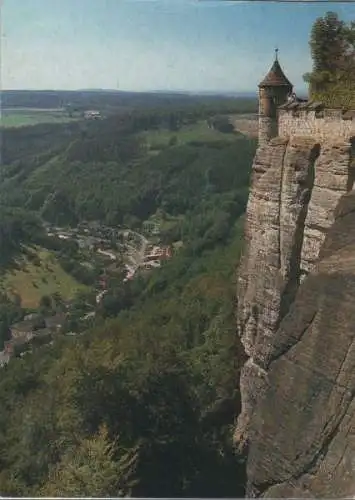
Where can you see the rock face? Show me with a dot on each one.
(298, 383)
(333, 177)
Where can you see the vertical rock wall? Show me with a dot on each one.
(296, 186)
(302, 431)
(332, 179)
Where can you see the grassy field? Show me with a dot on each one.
(25, 117)
(200, 132)
(246, 124)
(32, 280)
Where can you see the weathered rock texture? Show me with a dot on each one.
(333, 178)
(298, 383)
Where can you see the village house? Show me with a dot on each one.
(32, 316)
(11, 345)
(92, 115)
(4, 358)
(24, 329)
(129, 275)
(152, 264)
(33, 326)
(151, 227)
(23, 338)
(158, 253)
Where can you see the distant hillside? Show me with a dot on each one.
(115, 172)
(116, 100)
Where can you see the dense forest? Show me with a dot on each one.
(143, 401)
(152, 393)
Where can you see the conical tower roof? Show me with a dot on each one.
(275, 77)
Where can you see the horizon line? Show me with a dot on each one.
(143, 91)
(126, 91)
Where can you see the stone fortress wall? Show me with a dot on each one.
(308, 119)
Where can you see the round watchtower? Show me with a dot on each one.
(273, 92)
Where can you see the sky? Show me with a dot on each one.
(143, 45)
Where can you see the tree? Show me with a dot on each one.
(91, 470)
(10, 312)
(327, 42)
(173, 140)
(119, 297)
(58, 301)
(222, 124)
(332, 44)
(45, 303)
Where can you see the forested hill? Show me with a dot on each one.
(120, 170)
(143, 401)
(117, 101)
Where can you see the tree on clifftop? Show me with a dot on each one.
(332, 44)
(327, 42)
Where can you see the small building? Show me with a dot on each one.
(130, 275)
(158, 253)
(151, 226)
(92, 115)
(89, 315)
(32, 316)
(4, 358)
(64, 236)
(10, 346)
(25, 328)
(152, 264)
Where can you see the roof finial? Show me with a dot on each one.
(276, 54)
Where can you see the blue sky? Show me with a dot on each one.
(155, 44)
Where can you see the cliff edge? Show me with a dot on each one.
(296, 289)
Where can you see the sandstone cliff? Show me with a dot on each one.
(298, 384)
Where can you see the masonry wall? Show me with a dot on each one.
(267, 129)
(331, 126)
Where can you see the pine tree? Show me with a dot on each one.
(91, 470)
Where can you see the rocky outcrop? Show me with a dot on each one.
(302, 434)
(333, 178)
(296, 186)
(269, 271)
